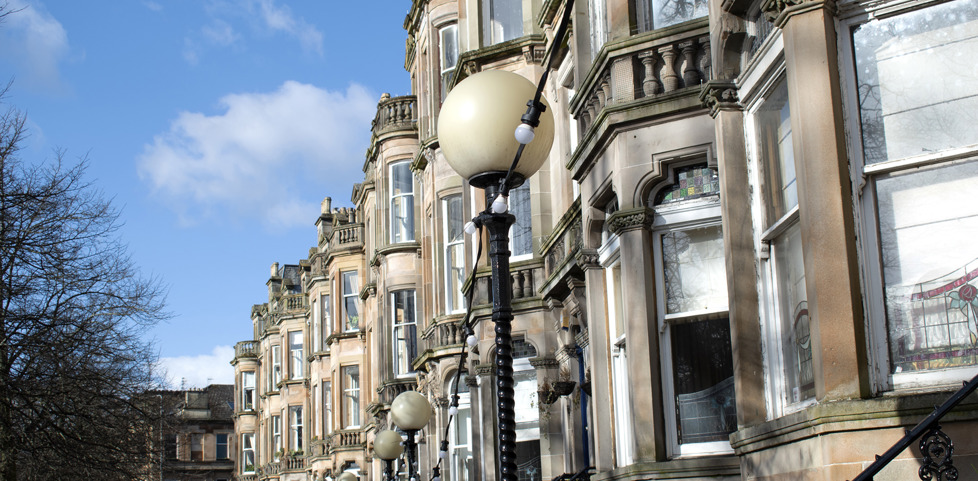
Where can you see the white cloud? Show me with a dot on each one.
(221, 33)
(156, 7)
(268, 155)
(201, 370)
(280, 18)
(34, 41)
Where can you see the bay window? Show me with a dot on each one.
(919, 207)
(248, 390)
(502, 20)
(351, 294)
(448, 50)
(248, 453)
(402, 202)
(276, 429)
(295, 428)
(695, 345)
(296, 358)
(782, 264)
(454, 220)
(405, 335)
(351, 397)
(276, 376)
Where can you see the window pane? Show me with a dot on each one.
(702, 366)
(671, 12)
(522, 234)
(222, 446)
(694, 270)
(351, 291)
(295, 351)
(502, 20)
(795, 333)
(405, 331)
(401, 179)
(917, 82)
(773, 129)
(692, 182)
(928, 222)
(454, 253)
(351, 394)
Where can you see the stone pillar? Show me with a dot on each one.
(825, 200)
(483, 425)
(599, 356)
(641, 332)
(738, 246)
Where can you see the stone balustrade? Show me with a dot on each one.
(246, 349)
(347, 236)
(394, 113)
(639, 71)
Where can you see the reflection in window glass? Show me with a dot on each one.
(694, 270)
(521, 234)
(902, 111)
(448, 48)
(502, 20)
(351, 291)
(405, 331)
(402, 203)
(928, 222)
(454, 253)
(702, 366)
(652, 14)
(795, 330)
(775, 149)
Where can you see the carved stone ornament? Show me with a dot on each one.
(720, 95)
(588, 259)
(773, 8)
(630, 219)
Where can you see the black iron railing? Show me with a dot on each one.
(935, 446)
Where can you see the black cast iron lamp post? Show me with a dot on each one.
(387, 446)
(476, 128)
(410, 411)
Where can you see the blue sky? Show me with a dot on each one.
(216, 126)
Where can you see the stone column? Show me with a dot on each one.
(599, 357)
(641, 332)
(825, 200)
(483, 423)
(738, 246)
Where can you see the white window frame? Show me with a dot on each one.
(276, 376)
(348, 297)
(327, 319)
(295, 427)
(248, 390)
(863, 176)
(447, 60)
(405, 325)
(351, 396)
(296, 357)
(454, 298)
(327, 408)
(276, 428)
(758, 81)
(692, 215)
(609, 256)
(405, 213)
(248, 451)
(457, 446)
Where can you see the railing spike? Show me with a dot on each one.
(878, 456)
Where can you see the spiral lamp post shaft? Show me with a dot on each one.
(497, 226)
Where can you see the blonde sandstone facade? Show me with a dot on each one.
(749, 253)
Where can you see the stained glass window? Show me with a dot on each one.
(691, 182)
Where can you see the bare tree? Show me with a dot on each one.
(73, 310)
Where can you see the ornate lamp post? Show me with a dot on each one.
(476, 134)
(410, 411)
(387, 446)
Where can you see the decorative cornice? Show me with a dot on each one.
(720, 95)
(544, 362)
(778, 11)
(630, 219)
(484, 370)
(588, 259)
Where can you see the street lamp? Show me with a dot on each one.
(410, 411)
(476, 134)
(387, 446)
(347, 476)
